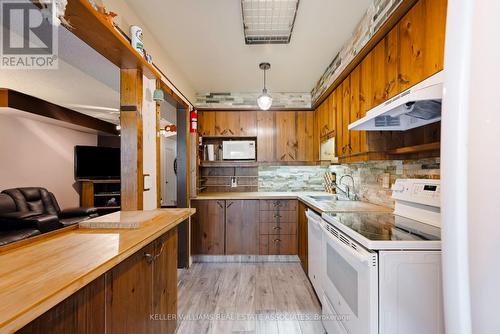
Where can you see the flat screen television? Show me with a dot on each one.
(93, 162)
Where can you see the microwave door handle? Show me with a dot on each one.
(339, 244)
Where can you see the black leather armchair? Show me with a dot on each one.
(37, 199)
(12, 226)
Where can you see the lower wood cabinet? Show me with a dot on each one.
(244, 227)
(208, 227)
(228, 227)
(126, 299)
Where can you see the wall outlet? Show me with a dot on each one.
(234, 182)
(386, 180)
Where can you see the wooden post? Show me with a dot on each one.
(132, 179)
(158, 151)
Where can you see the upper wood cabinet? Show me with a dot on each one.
(411, 51)
(282, 136)
(421, 42)
(228, 123)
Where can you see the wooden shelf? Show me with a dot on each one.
(416, 149)
(99, 33)
(99, 181)
(107, 207)
(107, 195)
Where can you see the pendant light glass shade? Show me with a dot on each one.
(264, 101)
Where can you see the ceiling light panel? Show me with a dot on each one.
(268, 21)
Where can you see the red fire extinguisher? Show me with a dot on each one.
(194, 120)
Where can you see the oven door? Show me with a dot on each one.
(350, 281)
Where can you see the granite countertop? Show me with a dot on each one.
(36, 276)
(331, 206)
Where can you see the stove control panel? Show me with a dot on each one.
(420, 191)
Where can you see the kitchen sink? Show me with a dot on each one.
(321, 198)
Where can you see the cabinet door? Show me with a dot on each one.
(378, 74)
(286, 136)
(391, 63)
(129, 294)
(346, 109)
(227, 123)
(421, 37)
(165, 282)
(305, 136)
(355, 112)
(248, 123)
(302, 236)
(339, 122)
(266, 135)
(206, 123)
(242, 227)
(208, 227)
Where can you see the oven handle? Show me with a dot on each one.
(316, 219)
(363, 256)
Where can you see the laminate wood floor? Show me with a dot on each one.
(264, 298)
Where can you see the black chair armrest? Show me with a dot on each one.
(77, 212)
(13, 223)
(45, 223)
(18, 215)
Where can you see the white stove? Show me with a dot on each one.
(382, 271)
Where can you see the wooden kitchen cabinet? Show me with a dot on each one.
(227, 123)
(208, 227)
(122, 299)
(305, 136)
(286, 136)
(266, 136)
(144, 284)
(421, 42)
(302, 236)
(278, 227)
(165, 281)
(242, 227)
(206, 123)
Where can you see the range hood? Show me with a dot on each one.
(417, 106)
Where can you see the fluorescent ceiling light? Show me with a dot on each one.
(268, 21)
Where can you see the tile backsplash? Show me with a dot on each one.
(368, 177)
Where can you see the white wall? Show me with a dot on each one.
(127, 17)
(40, 154)
(149, 143)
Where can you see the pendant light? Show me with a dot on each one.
(264, 100)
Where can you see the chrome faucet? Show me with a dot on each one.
(347, 190)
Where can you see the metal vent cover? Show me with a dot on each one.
(268, 21)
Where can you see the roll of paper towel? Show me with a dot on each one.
(210, 152)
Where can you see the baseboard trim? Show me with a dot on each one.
(244, 258)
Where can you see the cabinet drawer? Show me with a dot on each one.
(282, 244)
(281, 216)
(280, 204)
(282, 228)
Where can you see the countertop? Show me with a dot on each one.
(36, 276)
(332, 206)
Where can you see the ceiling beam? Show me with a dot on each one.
(16, 100)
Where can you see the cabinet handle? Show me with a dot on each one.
(277, 215)
(277, 240)
(149, 258)
(161, 251)
(349, 147)
(277, 228)
(220, 205)
(229, 205)
(231, 131)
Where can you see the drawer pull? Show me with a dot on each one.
(277, 216)
(277, 228)
(277, 240)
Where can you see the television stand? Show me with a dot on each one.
(103, 194)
